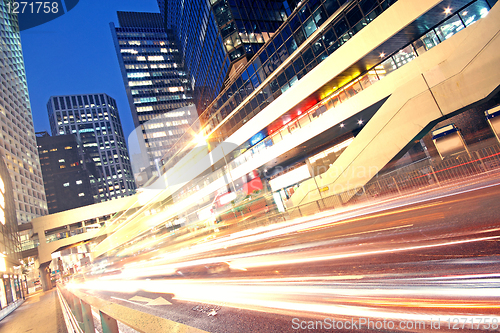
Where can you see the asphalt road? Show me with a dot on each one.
(429, 262)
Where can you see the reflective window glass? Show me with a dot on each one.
(404, 56)
(274, 86)
(474, 12)
(319, 16)
(263, 56)
(255, 81)
(329, 37)
(426, 42)
(322, 57)
(449, 27)
(299, 37)
(270, 49)
(341, 27)
(278, 41)
(298, 64)
(331, 6)
(286, 32)
(310, 27)
(281, 79)
(291, 45)
(295, 23)
(317, 47)
(289, 72)
(354, 16)
(304, 13)
(308, 55)
(368, 5)
(313, 4)
(386, 67)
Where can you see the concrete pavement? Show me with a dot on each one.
(41, 313)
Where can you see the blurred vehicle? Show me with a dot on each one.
(200, 270)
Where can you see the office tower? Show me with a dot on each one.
(157, 87)
(95, 120)
(69, 174)
(17, 135)
(10, 245)
(216, 38)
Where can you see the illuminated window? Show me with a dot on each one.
(155, 58)
(129, 51)
(140, 83)
(78, 182)
(62, 166)
(61, 160)
(81, 194)
(53, 149)
(66, 184)
(67, 147)
(140, 74)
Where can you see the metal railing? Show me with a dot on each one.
(78, 310)
(409, 179)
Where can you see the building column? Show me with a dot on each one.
(45, 276)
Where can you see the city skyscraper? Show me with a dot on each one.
(69, 174)
(17, 134)
(216, 37)
(157, 87)
(95, 120)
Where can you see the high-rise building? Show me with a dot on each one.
(217, 37)
(95, 121)
(157, 87)
(17, 134)
(10, 245)
(69, 174)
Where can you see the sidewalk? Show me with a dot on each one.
(40, 313)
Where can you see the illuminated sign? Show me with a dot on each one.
(257, 137)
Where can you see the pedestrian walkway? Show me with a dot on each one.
(40, 313)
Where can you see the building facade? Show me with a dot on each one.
(11, 280)
(94, 119)
(157, 87)
(70, 176)
(331, 100)
(218, 37)
(17, 134)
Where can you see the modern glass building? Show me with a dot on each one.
(69, 173)
(17, 135)
(217, 37)
(323, 86)
(157, 87)
(96, 122)
(290, 55)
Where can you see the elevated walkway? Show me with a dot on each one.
(446, 80)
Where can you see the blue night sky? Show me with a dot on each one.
(74, 54)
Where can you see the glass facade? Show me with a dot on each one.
(96, 122)
(17, 134)
(280, 130)
(292, 53)
(339, 20)
(213, 34)
(155, 81)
